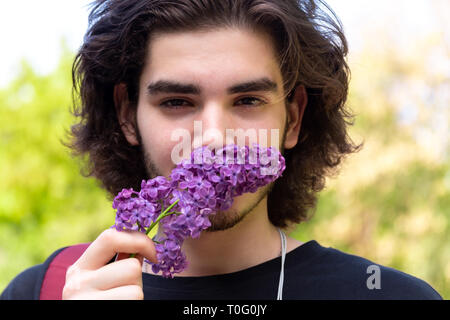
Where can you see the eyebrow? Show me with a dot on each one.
(166, 86)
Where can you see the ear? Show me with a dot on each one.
(295, 112)
(125, 114)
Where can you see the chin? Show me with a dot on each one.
(224, 220)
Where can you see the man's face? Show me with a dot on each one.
(212, 61)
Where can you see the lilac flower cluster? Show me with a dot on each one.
(197, 188)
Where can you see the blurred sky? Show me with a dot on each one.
(33, 29)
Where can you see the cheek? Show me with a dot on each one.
(270, 134)
(156, 140)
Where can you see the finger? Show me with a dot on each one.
(121, 256)
(111, 241)
(122, 293)
(117, 274)
(130, 292)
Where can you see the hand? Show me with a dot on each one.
(91, 277)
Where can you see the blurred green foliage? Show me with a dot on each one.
(390, 204)
(45, 203)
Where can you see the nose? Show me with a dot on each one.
(210, 126)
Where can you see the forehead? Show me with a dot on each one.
(218, 57)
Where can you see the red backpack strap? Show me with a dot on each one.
(55, 276)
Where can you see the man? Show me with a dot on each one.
(149, 68)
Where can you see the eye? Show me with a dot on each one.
(181, 103)
(252, 101)
(173, 104)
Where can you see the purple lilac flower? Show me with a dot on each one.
(156, 188)
(200, 186)
(173, 260)
(133, 213)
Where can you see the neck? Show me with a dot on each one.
(252, 241)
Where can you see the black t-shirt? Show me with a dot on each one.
(311, 272)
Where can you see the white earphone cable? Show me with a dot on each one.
(283, 255)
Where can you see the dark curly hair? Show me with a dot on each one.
(311, 49)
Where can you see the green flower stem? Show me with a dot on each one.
(161, 216)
